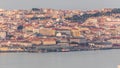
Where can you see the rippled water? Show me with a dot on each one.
(80, 59)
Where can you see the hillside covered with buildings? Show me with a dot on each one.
(48, 30)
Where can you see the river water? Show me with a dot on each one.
(79, 59)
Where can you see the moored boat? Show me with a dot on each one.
(65, 50)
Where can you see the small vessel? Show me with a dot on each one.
(65, 50)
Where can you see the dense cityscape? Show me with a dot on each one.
(52, 30)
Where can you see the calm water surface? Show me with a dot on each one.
(80, 59)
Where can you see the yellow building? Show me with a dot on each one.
(49, 41)
(37, 42)
(75, 33)
(47, 32)
(4, 49)
(29, 28)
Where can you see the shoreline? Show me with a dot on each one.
(47, 51)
